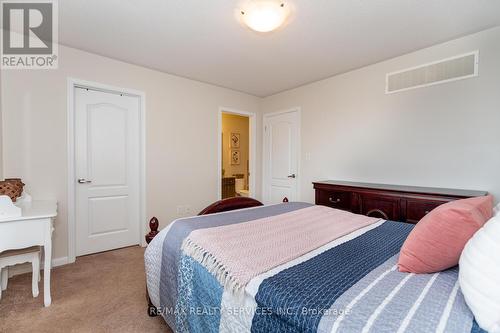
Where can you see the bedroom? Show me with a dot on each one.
(318, 89)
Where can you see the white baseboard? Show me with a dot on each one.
(58, 262)
(26, 267)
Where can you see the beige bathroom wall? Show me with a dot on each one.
(232, 123)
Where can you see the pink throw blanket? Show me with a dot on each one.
(237, 253)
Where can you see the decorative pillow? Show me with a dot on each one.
(437, 241)
(479, 275)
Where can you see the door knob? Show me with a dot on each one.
(83, 181)
(291, 176)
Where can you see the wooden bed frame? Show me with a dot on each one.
(224, 205)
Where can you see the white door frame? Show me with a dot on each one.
(265, 176)
(252, 148)
(72, 84)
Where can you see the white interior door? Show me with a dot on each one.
(281, 156)
(107, 149)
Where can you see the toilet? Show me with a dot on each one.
(240, 187)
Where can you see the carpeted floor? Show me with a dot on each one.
(103, 292)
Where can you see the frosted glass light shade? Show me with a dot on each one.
(264, 15)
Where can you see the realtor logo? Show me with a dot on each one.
(29, 34)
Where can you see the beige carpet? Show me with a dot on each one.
(103, 292)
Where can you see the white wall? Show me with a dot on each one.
(1, 132)
(445, 136)
(181, 125)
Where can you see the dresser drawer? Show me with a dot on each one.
(391, 202)
(386, 208)
(417, 209)
(334, 199)
(228, 181)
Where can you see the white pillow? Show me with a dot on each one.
(496, 210)
(479, 275)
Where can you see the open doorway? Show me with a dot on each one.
(236, 151)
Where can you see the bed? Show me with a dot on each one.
(347, 282)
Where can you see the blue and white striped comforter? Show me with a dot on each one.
(349, 285)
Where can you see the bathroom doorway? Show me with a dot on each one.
(236, 149)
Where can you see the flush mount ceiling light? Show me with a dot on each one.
(264, 15)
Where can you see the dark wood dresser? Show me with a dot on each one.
(390, 202)
(228, 187)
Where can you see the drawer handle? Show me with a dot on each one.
(332, 200)
(377, 211)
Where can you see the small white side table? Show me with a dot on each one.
(33, 227)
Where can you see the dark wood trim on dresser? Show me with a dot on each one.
(390, 202)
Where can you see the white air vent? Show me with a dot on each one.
(456, 68)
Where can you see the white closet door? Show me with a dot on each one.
(281, 156)
(107, 171)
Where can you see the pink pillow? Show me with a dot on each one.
(437, 241)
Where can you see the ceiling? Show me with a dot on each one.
(203, 40)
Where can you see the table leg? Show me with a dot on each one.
(4, 277)
(47, 251)
(35, 274)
